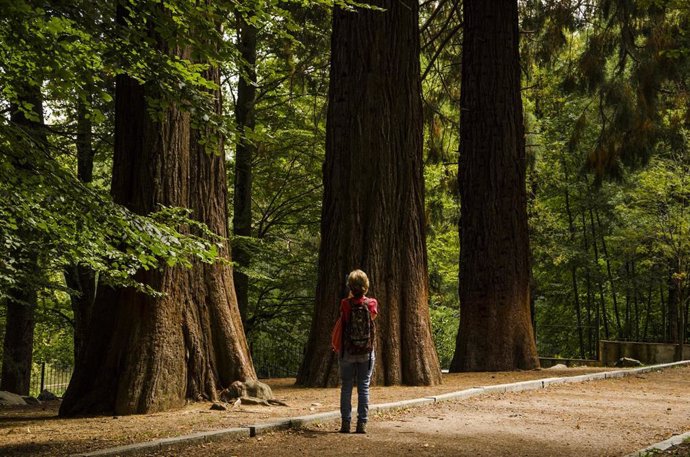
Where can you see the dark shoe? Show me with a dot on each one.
(361, 427)
(345, 427)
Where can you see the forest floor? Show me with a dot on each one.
(608, 417)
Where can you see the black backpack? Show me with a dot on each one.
(359, 332)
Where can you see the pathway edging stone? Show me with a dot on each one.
(130, 449)
(662, 445)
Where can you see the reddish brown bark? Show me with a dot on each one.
(495, 331)
(373, 207)
(146, 354)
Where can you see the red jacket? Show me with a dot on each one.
(345, 309)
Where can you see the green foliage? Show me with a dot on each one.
(441, 35)
(639, 223)
(292, 84)
(69, 53)
(444, 326)
(443, 248)
(605, 94)
(53, 336)
(45, 209)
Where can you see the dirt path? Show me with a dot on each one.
(37, 431)
(599, 418)
(627, 409)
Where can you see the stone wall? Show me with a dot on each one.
(647, 353)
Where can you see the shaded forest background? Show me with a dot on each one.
(606, 96)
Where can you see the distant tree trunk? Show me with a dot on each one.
(673, 308)
(80, 279)
(146, 354)
(609, 274)
(664, 312)
(648, 313)
(85, 151)
(373, 206)
(19, 341)
(593, 343)
(573, 274)
(244, 153)
(680, 313)
(495, 331)
(604, 314)
(19, 337)
(635, 301)
(22, 299)
(627, 327)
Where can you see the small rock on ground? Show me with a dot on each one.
(9, 399)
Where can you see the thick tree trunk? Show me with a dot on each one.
(22, 299)
(80, 279)
(373, 207)
(146, 354)
(495, 331)
(245, 149)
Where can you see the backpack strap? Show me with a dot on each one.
(371, 321)
(342, 335)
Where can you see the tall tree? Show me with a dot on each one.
(495, 331)
(373, 205)
(22, 298)
(245, 151)
(82, 280)
(147, 353)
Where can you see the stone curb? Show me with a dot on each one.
(200, 437)
(259, 429)
(662, 445)
(467, 393)
(301, 421)
(402, 404)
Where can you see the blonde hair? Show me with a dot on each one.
(358, 282)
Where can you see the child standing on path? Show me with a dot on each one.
(357, 314)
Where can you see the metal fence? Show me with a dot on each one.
(45, 376)
(276, 360)
(270, 361)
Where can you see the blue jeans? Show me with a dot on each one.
(349, 371)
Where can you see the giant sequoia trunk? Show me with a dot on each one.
(495, 331)
(146, 354)
(373, 206)
(21, 301)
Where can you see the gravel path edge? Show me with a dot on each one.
(661, 445)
